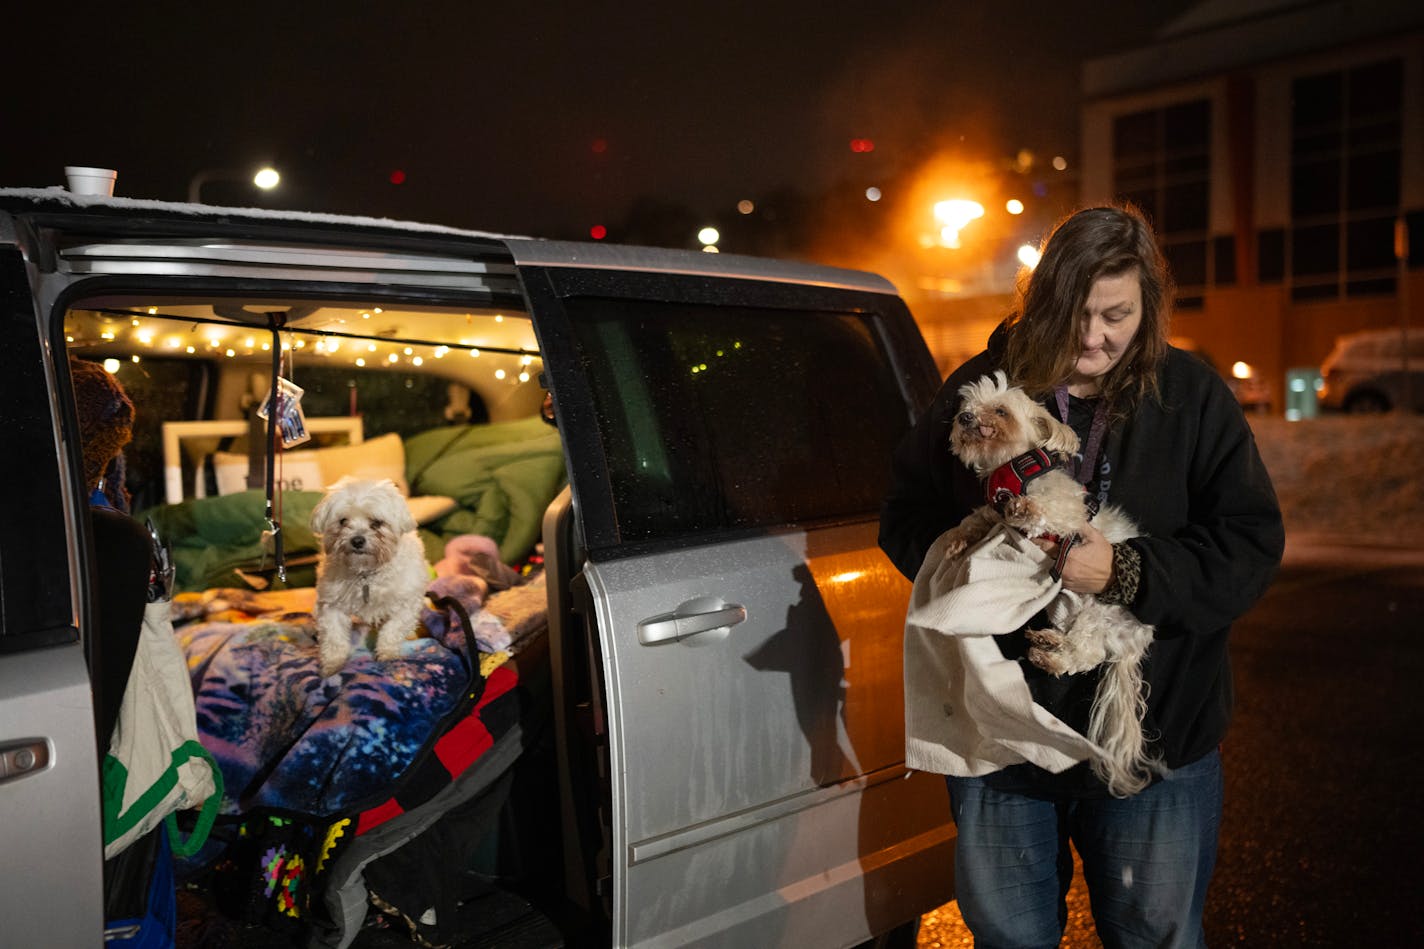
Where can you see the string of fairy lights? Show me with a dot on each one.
(233, 339)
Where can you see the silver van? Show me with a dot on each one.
(694, 736)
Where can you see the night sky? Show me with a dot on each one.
(539, 118)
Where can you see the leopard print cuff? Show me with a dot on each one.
(1127, 573)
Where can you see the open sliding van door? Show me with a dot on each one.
(729, 428)
(50, 836)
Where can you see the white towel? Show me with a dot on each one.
(968, 710)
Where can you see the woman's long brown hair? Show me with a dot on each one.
(1043, 342)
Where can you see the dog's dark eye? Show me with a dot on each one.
(342, 522)
(1001, 412)
(377, 525)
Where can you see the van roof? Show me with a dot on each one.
(179, 220)
(60, 199)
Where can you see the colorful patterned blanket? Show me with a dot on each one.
(288, 741)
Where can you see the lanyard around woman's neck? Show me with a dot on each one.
(1083, 471)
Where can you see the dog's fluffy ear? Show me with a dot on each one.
(325, 511)
(1055, 437)
(321, 516)
(404, 521)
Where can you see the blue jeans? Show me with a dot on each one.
(1147, 860)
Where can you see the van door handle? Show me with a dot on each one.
(21, 759)
(700, 615)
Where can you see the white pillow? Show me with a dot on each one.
(314, 469)
(430, 507)
(292, 473)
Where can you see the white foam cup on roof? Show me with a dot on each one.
(83, 180)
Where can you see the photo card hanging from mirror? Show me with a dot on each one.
(291, 421)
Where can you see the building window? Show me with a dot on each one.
(1161, 163)
(1346, 129)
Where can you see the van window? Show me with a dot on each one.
(161, 388)
(400, 402)
(35, 606)
(725, 418)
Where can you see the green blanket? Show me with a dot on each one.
(503, 475)
(212, 539)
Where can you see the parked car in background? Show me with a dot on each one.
(1244, 380)
(1368, 372)
(1250, 389)
(700, 739)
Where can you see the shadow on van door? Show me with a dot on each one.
(809, 651)
(837, 696)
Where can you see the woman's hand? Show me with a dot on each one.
(1089, 567)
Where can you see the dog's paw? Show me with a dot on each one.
(1022, 512)
(1047, 651)
(954, 547)
(1047, 660)
(1046, 638)
(387, 653)
(329, 669)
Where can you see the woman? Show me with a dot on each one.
(1164, 439)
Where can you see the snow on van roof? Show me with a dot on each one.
(60, 195)
(526, 250)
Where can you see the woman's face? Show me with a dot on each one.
(1109, 321)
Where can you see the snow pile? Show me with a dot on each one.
(1356, 477)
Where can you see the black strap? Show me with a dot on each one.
(472, 661)
(1065, 545)
(1031, 464)
(275, 320)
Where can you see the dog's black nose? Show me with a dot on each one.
(358, 542)
(966, 419)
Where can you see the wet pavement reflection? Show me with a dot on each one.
(944, 928)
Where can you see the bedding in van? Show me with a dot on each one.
(322, 776)
(286, 739)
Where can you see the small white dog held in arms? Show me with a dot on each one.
(1017, 449)
(372, 568)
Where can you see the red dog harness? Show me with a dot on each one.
(1010, 479)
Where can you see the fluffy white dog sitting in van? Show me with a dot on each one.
(372, 569)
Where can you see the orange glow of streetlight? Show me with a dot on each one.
(953, 215)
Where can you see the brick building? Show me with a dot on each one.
(1278, 146)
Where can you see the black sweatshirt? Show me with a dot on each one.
(1186, 468)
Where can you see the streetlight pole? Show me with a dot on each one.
(265, 178)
